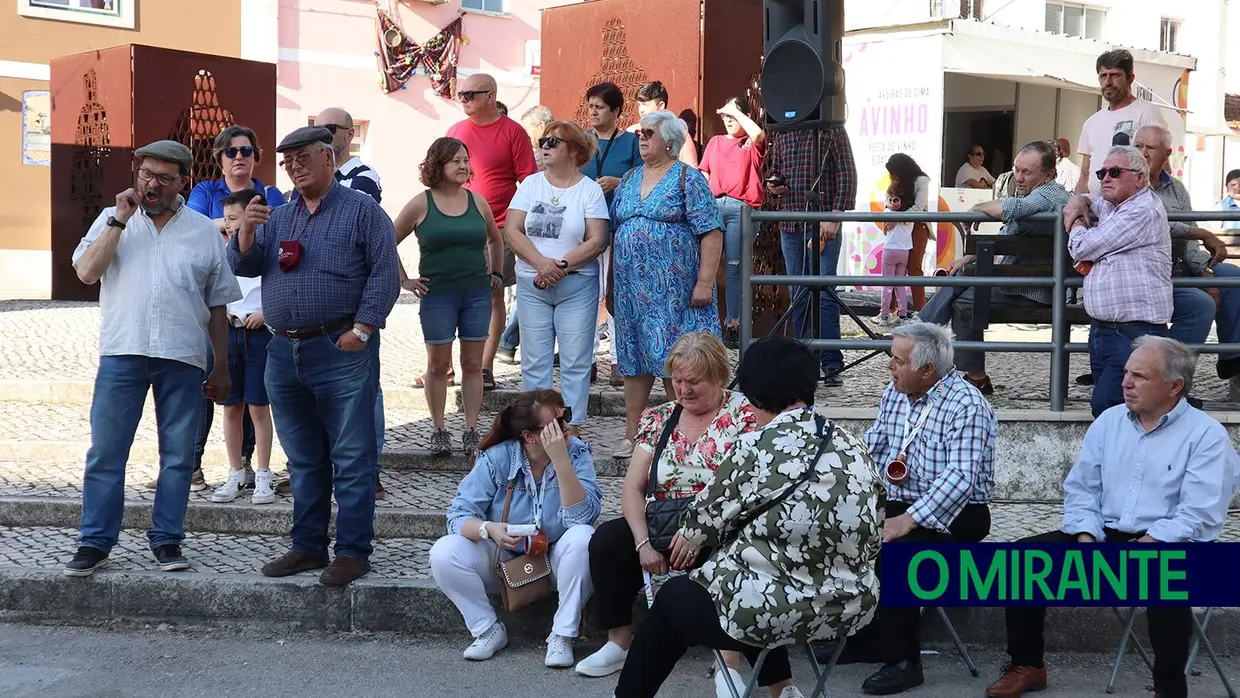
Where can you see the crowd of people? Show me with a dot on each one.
(749, 518)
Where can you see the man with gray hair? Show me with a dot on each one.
(1153, 469)
(1119, 241)
(934, 440)
(534, 120)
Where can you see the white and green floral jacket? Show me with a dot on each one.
(804, 570)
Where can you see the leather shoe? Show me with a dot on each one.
(344, 569)
(291, 563)
(1016, 681)
(896, 677)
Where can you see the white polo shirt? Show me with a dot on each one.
(155, 297)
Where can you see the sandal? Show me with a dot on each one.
(419, 383)
(488, 379)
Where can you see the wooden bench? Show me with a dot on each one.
(981, 313)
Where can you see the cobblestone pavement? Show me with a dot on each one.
(55, 340)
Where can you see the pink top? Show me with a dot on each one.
(500, 157)
(734, 168)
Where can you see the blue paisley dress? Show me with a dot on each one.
(657, 255)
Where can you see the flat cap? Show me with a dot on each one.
(305, 136)
(168, 151)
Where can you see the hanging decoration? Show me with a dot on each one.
(400, 57)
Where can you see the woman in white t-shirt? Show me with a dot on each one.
(557, 226)
(972, 174)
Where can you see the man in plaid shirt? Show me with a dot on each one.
(793, 158)
(943, 432)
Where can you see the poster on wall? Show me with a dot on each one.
(36, 128)
(891, 111)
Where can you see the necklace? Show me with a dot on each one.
(555, 198)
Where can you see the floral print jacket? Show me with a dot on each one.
(804, 570)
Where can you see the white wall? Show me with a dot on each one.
(1035, 115)
(1074, 108)
(969, 93)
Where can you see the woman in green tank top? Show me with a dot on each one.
(461, 253)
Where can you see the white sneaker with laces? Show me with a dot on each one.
(264, 491)
(604, 662)
(721, 684)
(791, 692)
(231, 488)
(559, 652)
(624, 449)
(487, 644)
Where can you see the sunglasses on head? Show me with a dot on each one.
(1114, 172)
(646, 133)
(550, 142)
(468, 95)
(244, 151)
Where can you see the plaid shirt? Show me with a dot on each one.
(792, 155)
(1175, 198)
(1131, 277)
(1047, 197)
(951, 461)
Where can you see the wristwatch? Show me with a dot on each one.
(361, 335)
(483, 533)
(113, 223)
(563, 264)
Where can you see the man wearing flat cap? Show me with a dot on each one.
(329, 270)
(165, 281)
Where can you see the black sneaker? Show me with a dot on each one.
(248, 482)
(732, 336)
(85, 562)
(831, 379)
(197, 482)
(506, 355)
(169, 558)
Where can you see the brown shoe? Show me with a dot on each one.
(285, 487)
(291, 563)
(616, 380)
(379, 493)
(344, 569)
(1016, 681)
(983, 384)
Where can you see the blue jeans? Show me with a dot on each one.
(567, 312)
(730, 211)
(324, 402)
(797, 262)
(1109, 349)
(511, 338)
(207, 408)
(940, 310)
(120, 394)
(1191, 316)
(1228, 315)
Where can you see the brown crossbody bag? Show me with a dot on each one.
(526, 578)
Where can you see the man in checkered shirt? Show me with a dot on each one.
(943, 432)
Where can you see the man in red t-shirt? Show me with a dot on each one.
(500, 157)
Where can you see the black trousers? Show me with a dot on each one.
(616, 572)
(895, 634)
(684, 616)
(1170, 642)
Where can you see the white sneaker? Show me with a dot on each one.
(624, 449)
(604, 662)
(559, 652)
(721, 684)
(791, 692)
(232, 488)
(264, 492)
(487, 644)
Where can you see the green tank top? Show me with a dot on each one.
(452, 248)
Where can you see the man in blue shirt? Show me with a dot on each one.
(330, 278)
(1154, 469)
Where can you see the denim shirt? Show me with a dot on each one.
(481, 494)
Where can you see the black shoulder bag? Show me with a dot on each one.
(663, 515)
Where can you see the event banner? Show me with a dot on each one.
(1061, 574)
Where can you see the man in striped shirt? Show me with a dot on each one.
(165, 283)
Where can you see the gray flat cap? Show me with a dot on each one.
(305, 136)
(168, 151)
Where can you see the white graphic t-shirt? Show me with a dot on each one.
(1098, 133)
(555, 218)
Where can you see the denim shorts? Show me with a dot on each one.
(447, 314)
(247, 362)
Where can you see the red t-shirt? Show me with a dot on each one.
(500, 156)
(735, 169)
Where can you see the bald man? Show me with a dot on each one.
(500, 157)
(349, 170)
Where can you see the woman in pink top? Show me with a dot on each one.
(732, 164)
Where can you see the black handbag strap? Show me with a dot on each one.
(809, 472)
(668, 427)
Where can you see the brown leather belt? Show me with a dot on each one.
(312, 332)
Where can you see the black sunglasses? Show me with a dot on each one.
(550, 142)
(1114, 172)
(468, 95)
(978, 155)
(244, 151)
(646, 133)
(332, 128)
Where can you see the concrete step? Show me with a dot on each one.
(224, 589)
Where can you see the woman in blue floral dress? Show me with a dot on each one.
(664, 258)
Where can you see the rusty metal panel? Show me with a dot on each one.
(731, 55)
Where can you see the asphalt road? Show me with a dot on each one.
(137, 661)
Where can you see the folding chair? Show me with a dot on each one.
(1200, 639)
(750, 683)
(822, 673)
(960, 648)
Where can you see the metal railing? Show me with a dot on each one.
(1059, 347)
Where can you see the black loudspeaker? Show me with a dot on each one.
(802, 67)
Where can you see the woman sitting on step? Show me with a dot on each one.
(526, 447)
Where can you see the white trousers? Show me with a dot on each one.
(604, 263)
(464, 571)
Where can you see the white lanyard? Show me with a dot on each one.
(909, 435)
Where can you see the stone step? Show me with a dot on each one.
(224, 589)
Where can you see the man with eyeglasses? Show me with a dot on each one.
(165, 282)
(1120, 242)
(500, 157)
(330, 278)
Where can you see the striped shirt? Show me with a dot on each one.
(1131, 276)
(360, 177)
(156, 296)
(951, 459)
(348, 268)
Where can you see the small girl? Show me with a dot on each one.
(895, 254)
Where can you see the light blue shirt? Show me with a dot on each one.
(1173, 483)
(1228, 204)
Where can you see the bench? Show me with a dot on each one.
(986, 247)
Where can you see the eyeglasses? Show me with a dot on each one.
(303, 159)
(1113, 172)
(978, 154)
(645, 133)
(244, 151)
(332, 128)
(468, 95)
(550, 142)
(164, 180)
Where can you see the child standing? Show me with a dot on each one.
(895, 255)
(247, 361)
